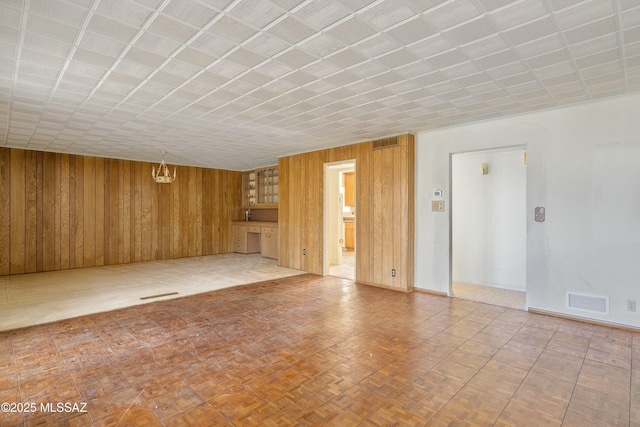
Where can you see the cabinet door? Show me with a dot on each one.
(349, 189)
(267, 187)
(349, 235)
(239, 239)
(269, 242)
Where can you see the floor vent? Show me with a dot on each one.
(159, 295)
(386, 142)
(591, 303)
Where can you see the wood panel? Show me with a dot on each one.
(89, 212)
(31, 211)
(61, 211)
(17, 212)
(384, 214)
(5, 216)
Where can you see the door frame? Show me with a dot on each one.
(347, 165)
(450, 201)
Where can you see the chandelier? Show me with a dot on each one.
(163, 176)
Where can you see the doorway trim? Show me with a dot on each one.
(499, 149)
(329, 168)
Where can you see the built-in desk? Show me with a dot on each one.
(256, 236)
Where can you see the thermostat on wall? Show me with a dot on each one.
(437, 193)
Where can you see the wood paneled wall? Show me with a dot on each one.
(61, 211)
(384, 211)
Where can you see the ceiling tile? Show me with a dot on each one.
(376, 46)
(352, 30)
(296, 58)
(471, 30)
(591, 30)
(411, 31)
(631, 35)
(631, 18)
(485, 46)
(397, 59)
(190, 12)
(531, 31)
(386, 13)
(51, 29)
(231, 29)
(291, 30)
(127, 12)
(452, 13)
(541, 46)
(274, 69)
(346, 58)
(93, 58)
(245, 58)
(144, 57)
(587, 12)
(111, 28)
(498, 59)
(548, 59)
(321, 46)
(448, 59)
(323, 13)
(226, 69)
(258, 13)
(265, 44)
(43, 44)
(518, 13)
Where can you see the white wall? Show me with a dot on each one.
(582, 167)
(489, 219)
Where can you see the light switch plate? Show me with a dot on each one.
(437, 206)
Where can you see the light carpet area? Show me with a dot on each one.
(32, 299)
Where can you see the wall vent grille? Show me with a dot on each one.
(590, 303)
(386, 143)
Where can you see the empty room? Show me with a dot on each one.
(320, 212)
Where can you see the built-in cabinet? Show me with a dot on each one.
(246, 239)
(260, 188)
(253, 237)
(349, 235)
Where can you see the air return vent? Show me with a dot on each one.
(386, 143)
(591, 303)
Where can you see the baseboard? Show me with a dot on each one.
(378, 285)
(583, 319)
(431, 292)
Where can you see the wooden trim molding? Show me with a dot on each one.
(431, 292)
(378, 285)
(583, 319)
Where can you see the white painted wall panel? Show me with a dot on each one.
(575, 249)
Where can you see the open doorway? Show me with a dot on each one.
(488, 226)
(340, 219)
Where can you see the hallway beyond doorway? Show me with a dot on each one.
(346, 270)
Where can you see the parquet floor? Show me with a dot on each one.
(313, 351)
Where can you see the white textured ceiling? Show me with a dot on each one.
(235, 84)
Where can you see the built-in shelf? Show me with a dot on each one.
(260, 188)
